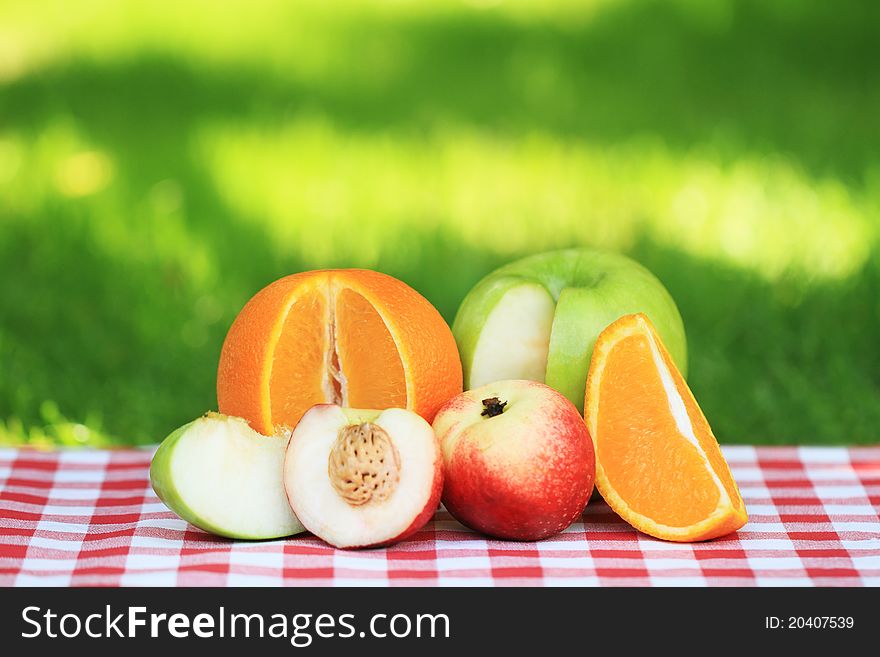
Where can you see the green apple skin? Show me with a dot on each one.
(163, 484)
(591, 290)
(166, 489)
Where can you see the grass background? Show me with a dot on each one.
(160, 162)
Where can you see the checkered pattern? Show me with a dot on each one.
(90, 518)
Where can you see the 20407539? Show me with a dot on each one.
(809, 622)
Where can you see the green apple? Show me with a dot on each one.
(222, 476)
(538, 318)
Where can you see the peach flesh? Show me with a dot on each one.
(363, 478)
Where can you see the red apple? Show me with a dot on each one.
(359, 478)
(518, 460)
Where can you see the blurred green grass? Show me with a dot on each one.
(160, 163)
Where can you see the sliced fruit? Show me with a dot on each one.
(358, 478)
(222, 476)
(538, 318)
(516, 336)
(349, 336)
(658, 465)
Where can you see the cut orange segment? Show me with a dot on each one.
(352, 337)
(658, 465)
(365, 346)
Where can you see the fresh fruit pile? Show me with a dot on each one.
(572, 363)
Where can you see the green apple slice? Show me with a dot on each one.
(222, 476)
(515, 338)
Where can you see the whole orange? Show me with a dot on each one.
(354, 337)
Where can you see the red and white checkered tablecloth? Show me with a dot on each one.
(90, 518)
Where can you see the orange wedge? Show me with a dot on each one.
(658, 465)
(352, 337)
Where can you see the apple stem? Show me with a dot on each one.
(493, 406)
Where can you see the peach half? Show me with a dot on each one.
(363, 478)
